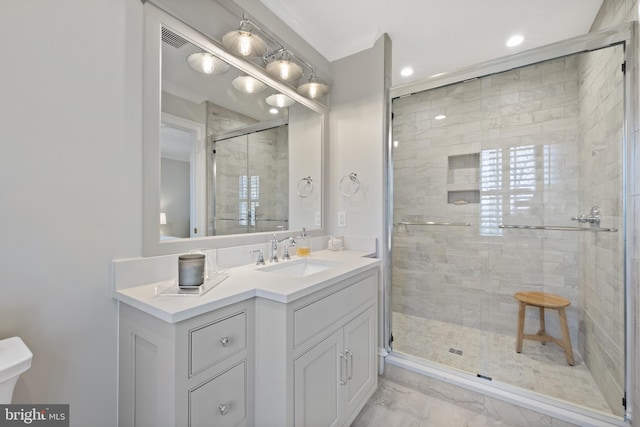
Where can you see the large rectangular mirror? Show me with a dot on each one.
(223, 157)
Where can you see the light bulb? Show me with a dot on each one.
(248, 84)
(313, 90)
(284, 69)
(207, 64)
(244, 44)
(279, 100)
(285, 72)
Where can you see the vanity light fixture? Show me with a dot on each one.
(248, 84)
(207, 63)
(279, 100)
(284, 68)
(279, 61)
(313, 88)
(244, 42)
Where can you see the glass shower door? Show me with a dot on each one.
(488, 174)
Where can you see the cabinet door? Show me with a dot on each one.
(317, 376)
(360, 350)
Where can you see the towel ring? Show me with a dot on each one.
(349, 184)
(305, 187)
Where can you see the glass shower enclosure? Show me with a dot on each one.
(512, 182)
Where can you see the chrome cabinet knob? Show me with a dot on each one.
(224, 408)
(224, 341)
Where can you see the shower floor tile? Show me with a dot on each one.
(540, 368)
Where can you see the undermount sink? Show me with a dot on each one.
(300, 267)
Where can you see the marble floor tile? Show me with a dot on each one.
(539, 368)
(395, 405)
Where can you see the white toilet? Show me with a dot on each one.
(15, 358)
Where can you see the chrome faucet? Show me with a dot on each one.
(593, 218)
(274, 248)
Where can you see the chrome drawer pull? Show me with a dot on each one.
(224, 341)
(224, 408)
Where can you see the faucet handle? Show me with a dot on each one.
(260, 260)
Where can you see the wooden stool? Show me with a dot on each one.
(543, 300)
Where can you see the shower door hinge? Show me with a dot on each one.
(390, 339)
(623, 67)
(624, 401)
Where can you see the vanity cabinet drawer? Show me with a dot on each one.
(311, 319)
(216, 341)
(222, 401)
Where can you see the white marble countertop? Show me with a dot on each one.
(246, 282)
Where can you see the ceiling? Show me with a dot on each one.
(434, 36)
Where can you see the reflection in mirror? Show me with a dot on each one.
(251, 178)
(230, 161)
(182, 178)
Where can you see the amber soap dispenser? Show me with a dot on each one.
(303, 244)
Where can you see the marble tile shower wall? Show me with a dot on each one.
(601, 316)
(614, 12)
(521, 130)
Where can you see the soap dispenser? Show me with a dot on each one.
(303, 244)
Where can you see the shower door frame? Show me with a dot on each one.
(625, 35)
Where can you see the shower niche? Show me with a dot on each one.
(463, 179)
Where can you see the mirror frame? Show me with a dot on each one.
(154, 19)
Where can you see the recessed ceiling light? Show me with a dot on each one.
(406, 71)
(273, 111)
(440, 117)
(515, 40)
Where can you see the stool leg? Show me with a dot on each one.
(543, 328)
(521, 312)
(566, 339)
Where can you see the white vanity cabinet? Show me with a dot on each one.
(316, 357)
(262, 349)
(197, 372)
